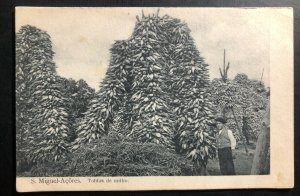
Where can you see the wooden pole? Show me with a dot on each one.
(246, 149)
(261, 160)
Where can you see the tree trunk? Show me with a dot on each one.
(246, 137)
(245, 129)
(246, 149)
(261, 160)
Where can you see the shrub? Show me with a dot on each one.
(115, 155)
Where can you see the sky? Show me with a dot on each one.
(81, 37)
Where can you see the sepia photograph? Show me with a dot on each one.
(106, 97)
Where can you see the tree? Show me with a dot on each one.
(246, 128)
(242, 101)
(224, 71)
(255, 103)
(160, 77)
(40, 112)
(78, 94)
(189, 80)
(248, 100)
(164, 51)
(150, 107)
(101, 109)
(22, 104)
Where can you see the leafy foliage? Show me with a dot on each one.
(99, 116)
(150, 107)
(113, 155)
(41, 118)
(155, 99)
(155, 90)
(188, 80)
(78, 94)
(159, 61)
(247, 97)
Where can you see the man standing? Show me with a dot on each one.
(225, 144)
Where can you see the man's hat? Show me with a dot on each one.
(220, 119)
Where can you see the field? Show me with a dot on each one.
(242, 161)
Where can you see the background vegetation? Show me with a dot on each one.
(153, 115)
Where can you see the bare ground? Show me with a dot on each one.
(242, 161)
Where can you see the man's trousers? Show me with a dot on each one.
(226, 161)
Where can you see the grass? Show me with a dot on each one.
(242, 161)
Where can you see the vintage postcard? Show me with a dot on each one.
(154, 98)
